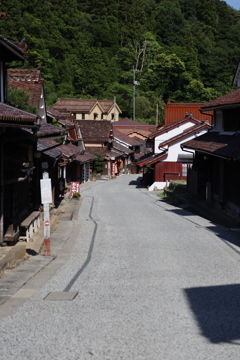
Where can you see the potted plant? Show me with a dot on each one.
(76, 195)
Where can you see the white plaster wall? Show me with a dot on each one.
(157, 185)
(42, 109)
(174, 151)
(170, 134)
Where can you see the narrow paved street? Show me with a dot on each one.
(153, 282)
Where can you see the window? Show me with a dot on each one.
(83, 116)
(95, 116)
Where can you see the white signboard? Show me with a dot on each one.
(46, 191)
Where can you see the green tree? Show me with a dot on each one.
(98, 164)
(18, 98)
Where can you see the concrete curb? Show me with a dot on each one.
(11, 257)
(14, 256)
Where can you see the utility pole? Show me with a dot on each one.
(156, 113)
(114, 108)
(134, 91)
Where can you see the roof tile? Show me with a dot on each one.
(127, 139)
(95, 130)
(228, 99)
(226, 146)
(10, 114)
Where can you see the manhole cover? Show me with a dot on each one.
(61, 295)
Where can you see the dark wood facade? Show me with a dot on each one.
(166, 171)
(216, 167)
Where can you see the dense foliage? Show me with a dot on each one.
(20, 99)
(183, 50)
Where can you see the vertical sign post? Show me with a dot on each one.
(46, 195)
(75, 187)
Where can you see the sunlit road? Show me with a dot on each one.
(152, 281)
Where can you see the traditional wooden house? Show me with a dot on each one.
(131, 143)
(19, 134)
(168, 161)
(125, 158)
(216, 164)
(83, 171)
(88, 109)
(49, 138)
(98, 138)
(81, 164)
(30, 81)
(127, 141)
(16, 150)
(111, 110)
(16, 166)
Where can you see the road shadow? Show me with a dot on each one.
(31, 252)
(220, 226)
(217, 312)
(137, 183)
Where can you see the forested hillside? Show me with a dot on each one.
(183, 50)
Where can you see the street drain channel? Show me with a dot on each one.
(61, 295)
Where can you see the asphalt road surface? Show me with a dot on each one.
(142, 280)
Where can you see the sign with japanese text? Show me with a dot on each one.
(75, 187)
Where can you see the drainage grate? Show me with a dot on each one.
(61, 295)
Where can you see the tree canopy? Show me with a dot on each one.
(183, 50)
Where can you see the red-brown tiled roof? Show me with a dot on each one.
(10, 114)
(24, 75)
(127, 139)
(140, 132)
(96, 130)
(107, 105)
(75, 105)
(47, 147)
(55, 114)
(69, 150)
(232, 98)
(129, 124)
(83, 105)
(112, 154)
(225, 146)
(85, 158)
(175, 111)
(50, 130)
(123, 149)
(66, 123)
(151, 159)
